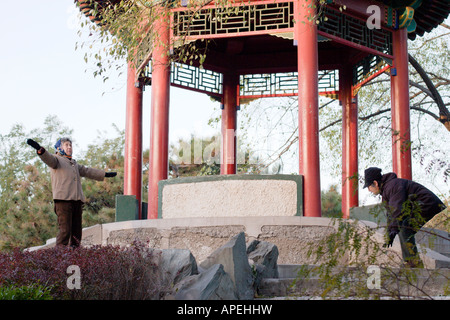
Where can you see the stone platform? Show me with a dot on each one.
(291, 234)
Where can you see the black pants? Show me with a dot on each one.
(407, 239)
(69, 222)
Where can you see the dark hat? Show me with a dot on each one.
(58, 145)
(370, 175)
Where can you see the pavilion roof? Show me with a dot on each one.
(428, 15)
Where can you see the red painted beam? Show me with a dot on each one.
(133, 139)
(401, 137)
(228, 163)
(308, 101)
(370, 78)
(349, 141)
(159, 137)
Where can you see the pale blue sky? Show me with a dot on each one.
(42, 74)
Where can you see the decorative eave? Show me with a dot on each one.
(429, 15)
(86, 7)
(419, 16)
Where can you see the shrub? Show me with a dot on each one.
(344, 261)
(107, 272)
(32, 292)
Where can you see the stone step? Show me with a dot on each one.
(288, 270)
(424, 283)
(292, 270)
(288, 287)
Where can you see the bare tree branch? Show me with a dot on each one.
(444, 114)
(444, 25)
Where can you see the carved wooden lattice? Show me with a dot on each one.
(268, 17)
(196, 78)
(238, 19)
(284, 84)
(354, 30)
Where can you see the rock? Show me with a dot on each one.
(225, 274)
(177, 264)
(264, 254)
(212, 284)
(263, 258)
(233, 257)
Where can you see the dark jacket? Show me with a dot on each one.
(404, 197)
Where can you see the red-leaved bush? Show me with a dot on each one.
(107, 272)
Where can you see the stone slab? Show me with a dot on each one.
(230, 196)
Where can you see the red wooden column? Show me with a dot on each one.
(308, 102)
(349, 141)
(159, 136)
(228, 161)
(133, 138)
(401, 138)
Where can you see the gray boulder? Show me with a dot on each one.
(265, 254)
(233, 257)
(177, 264)
(211, 284)
(263, 257)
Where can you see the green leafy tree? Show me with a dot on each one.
(341, 265)
(201, 157)
(331, 203)
(26, 208)
(27, 217)
(106, 154)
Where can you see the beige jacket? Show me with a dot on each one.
(66, 173)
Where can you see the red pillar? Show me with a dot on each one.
(349, 141)
(306, 33)
(228, 161)
(401, 138)
(133, 138)
(159, 136)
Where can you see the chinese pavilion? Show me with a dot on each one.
(275, 48)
